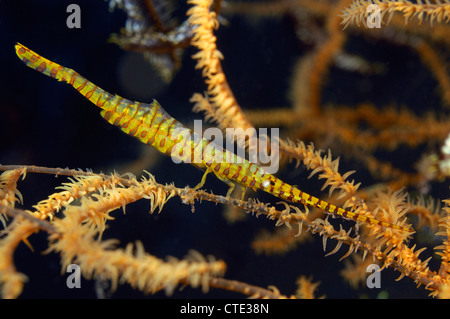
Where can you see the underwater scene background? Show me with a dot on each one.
(46, 123)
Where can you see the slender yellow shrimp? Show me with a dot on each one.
(152, 125)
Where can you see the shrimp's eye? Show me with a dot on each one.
(266, 183)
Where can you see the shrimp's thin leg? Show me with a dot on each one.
(202, 182)
(228, 182)
(232, 186)
(230, 190)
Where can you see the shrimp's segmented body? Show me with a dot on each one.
(152, 125)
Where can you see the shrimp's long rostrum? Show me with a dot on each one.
(152, 125)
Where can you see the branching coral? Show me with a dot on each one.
(76, 216)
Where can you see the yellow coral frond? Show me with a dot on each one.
(9, 194)
(357, 12)
(78, 244)
(306, 288)
(226, 111)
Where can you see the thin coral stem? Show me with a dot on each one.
(15, 212)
